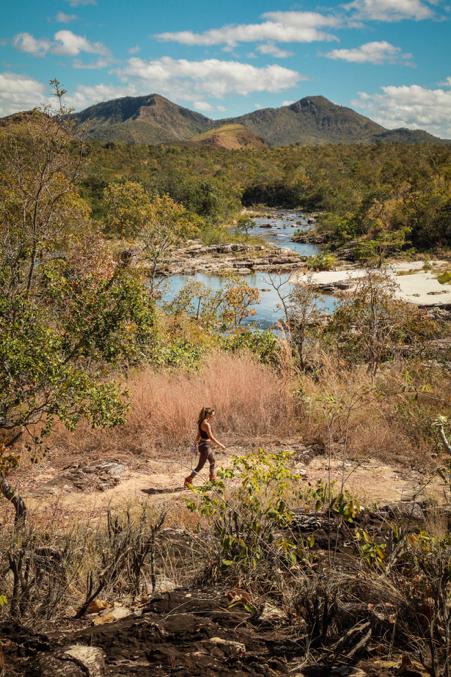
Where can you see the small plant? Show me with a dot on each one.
(322, 262)
(251, 523)
(371, 551)
(326, 497)
(445, 277)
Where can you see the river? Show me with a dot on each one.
(282, 225)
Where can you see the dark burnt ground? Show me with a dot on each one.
(216, 629)
(180, 633)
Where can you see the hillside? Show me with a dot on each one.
(230, 137)
(154, 120)
(145, 119)
(311, 120)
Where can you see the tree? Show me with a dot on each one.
(377, 248)
(196, 300)
(245, 225)
(126, 208)
(40, 209)
(304, 313)
(167, 223)
(371, 325)
(66, 324)
(238, 301)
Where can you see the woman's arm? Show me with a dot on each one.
(211, 436)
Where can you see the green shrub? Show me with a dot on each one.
(322, 262)
(445, 278)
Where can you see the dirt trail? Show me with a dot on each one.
(88, 488)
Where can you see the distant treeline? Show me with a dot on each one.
(364, 190)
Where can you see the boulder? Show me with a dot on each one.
(111, 615)
(77, 660)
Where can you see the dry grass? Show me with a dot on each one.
(388, 417)
(352, 414)
(251, 401)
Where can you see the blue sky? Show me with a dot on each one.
(388, 59)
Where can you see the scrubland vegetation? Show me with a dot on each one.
(388, 195)
(85, 348)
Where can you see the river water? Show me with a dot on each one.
(282, 227)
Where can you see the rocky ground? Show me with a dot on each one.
(196, 629)
(85, 488)
(235, 258)
(194, 633)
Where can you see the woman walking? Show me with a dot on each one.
(204, 441)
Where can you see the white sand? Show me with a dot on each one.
(421, 287)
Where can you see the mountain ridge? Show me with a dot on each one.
(153, 119)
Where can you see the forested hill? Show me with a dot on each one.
(154, 119)
(142, 119)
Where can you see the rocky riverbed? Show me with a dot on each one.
(236, 258)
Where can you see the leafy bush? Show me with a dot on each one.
(445, 278)
(248, 522)
(262, 343)
(322, 262)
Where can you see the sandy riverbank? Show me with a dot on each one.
(415, 284)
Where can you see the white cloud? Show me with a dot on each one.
(287, 102)
(27, 43)
(273, 50)
(409, 106)
(277, 27)
(64, 18)
(371, 52)
(391, 10)
(446, 82)
(203, 106)
(19, 92)
(70, 44)
(64, 43)
(193, 80)
(134, 50)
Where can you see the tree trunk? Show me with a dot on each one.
(445, 441)
(19, 504)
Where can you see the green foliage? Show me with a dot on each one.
(245, 225)
(322, 262)
(262, 343)
(361, 190)
(249, 521)
(224, 309)
(445, 278)
(126, 208)
(324, 496)
(376, 248)
(71, 314)
(372, 325)
(371, 551)
(180, 354)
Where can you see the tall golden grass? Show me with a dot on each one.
(251, 401)
(345, 409)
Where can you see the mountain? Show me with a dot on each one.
(403, 135)
(312, 120)
(228, 136)
(140, 119)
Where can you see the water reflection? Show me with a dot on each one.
(282, 226)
